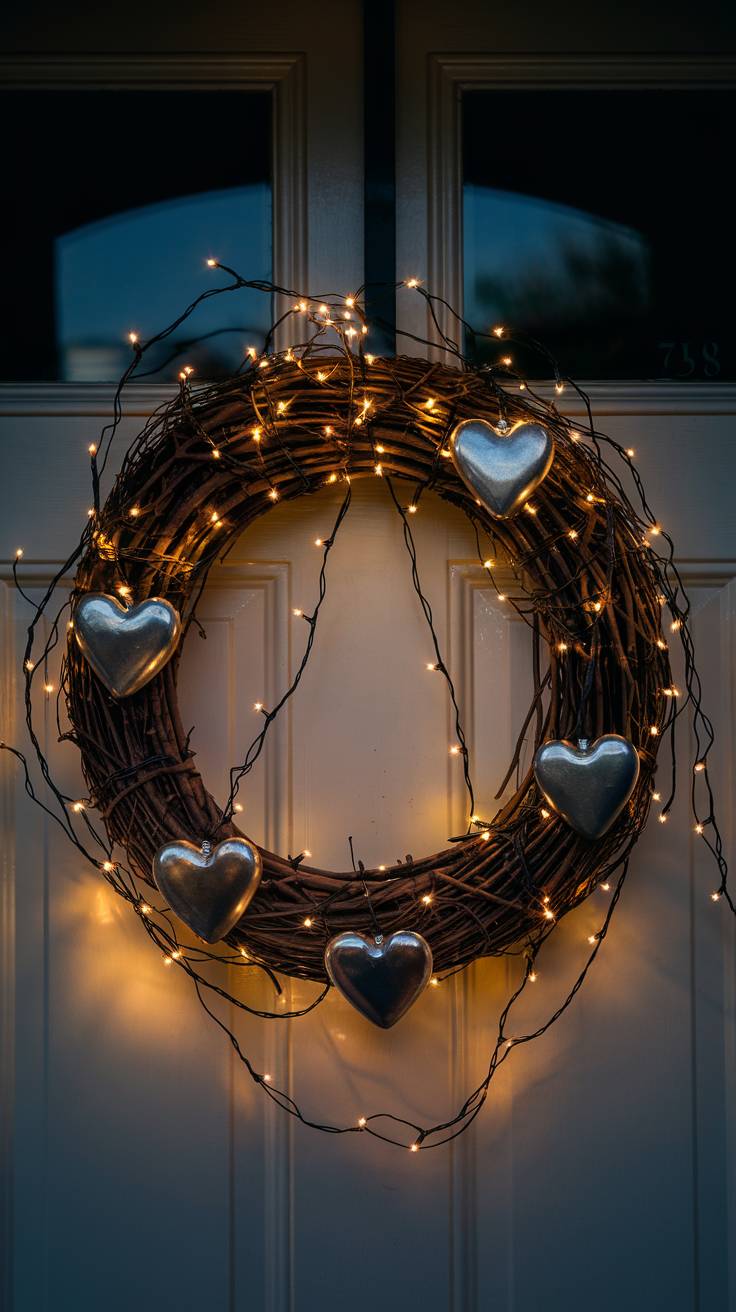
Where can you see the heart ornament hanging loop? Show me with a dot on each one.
(501, 466)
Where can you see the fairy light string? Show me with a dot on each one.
(590, 581)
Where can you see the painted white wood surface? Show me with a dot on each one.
(146, 1169)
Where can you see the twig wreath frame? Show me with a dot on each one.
(590, 584)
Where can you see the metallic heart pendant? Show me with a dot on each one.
(501, 468)
(380, 977)
(126, 647)
(208, 890)
(588, 786)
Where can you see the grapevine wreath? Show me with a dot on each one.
(591, 583)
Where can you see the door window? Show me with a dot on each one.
(116, 201)
(598, 221)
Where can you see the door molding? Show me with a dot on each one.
(449, 75)
(281, 74)
(612, 397)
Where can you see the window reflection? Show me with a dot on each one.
(576, 282)
(113, 201)
(137, 270)
(599, 221)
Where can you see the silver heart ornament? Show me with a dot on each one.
(208, 890)
(588, 784)
(126, 646)
(502, 469)
(380, 977)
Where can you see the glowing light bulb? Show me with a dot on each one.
(592, 938)
(92, 448)
(434, 981)
(307, 852)
(485, 835)
(605, 887)
(426, 899)
(412, 282)
(378, 469)
(318, 542)
(698, 829)
(653, 730)
(412, 509)
(715, 897)
(562, 646)
(499, 330)
(211, 264)
(533, 977)
(108, 867)
(573, 534)
(559, 388)
(258, 706)
(545, 814)
(454, 750)
(414, 1148)
(267, 1078)
(145, 910)
(238, 806)
(699, 767)
(48, 687)
(297, 613)
(308, 922)
(506, 360)
(273, 494)
(78, 806)
(630, 452)
(362, 1122)
(662, 817)
(549, 915)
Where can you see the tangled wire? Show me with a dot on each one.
(590, 584)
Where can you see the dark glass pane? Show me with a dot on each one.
(114, 201)
(599, 223)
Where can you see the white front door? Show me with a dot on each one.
(147, 1170)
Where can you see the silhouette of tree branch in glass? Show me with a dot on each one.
(593, 301)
